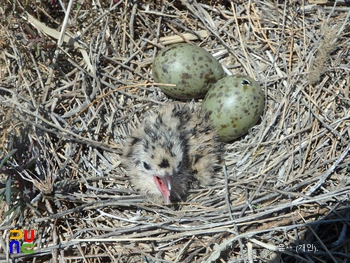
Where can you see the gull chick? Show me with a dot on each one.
(170, 152)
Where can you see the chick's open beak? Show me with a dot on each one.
(164, 185)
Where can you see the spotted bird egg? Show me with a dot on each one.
(192, 69)
(234, 104)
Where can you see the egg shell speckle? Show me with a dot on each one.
(234, 104)
(192, 69)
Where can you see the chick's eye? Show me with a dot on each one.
(146, 166)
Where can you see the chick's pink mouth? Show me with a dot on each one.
(164, 186)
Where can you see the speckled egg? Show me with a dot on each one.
(234, 104)
(192, 69)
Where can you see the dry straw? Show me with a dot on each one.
(76, 75)
(323, 54)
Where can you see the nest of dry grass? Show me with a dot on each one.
(75, 76)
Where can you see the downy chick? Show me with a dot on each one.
(171, 151)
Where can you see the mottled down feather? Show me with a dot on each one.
(171, 151)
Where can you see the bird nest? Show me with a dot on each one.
(76, 76)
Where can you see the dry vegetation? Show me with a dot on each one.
(74, 78)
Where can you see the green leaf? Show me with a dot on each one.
(7, 157)
(8, 190)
